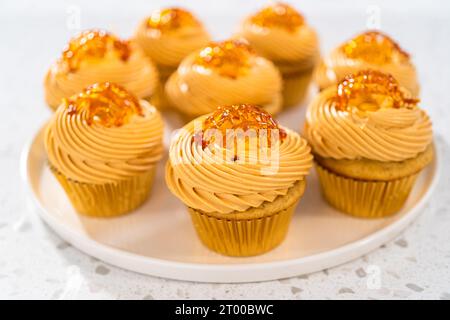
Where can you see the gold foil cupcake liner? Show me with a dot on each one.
(159, 98)
(107, 199)
(295, 87)
(365, 198)
(241, 237)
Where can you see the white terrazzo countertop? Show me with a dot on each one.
(36, 263)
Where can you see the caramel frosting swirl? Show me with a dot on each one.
(168, 45)
(291, 49)
(338, 64)
(92, 153)
(195, 176)
(387, 134)
(196, 90)
(137, 73)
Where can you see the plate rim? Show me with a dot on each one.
(225, 273)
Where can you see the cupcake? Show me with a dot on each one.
(98, 56)
(370, 141)
(224, 73)
(102, 146)
(167, 36)
(280, 34)
(368, 50)
(241, 176)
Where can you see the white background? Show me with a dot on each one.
(35, 263)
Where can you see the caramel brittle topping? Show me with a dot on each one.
(278, 15)
(371, 90)
(374, 47)
(107, 104)
(244, 117)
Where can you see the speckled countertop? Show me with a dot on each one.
(36, 263)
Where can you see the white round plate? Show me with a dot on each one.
(158, 239)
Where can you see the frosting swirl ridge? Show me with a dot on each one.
(384, 134)
(197, 89)
(378, 52)
(121, 62)
(201, 182)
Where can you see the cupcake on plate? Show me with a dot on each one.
(368, 50)
(98, 56)
(224, 73)
(370, 141)
(280, 33)
(103, 145)
(241, 176)
(167, 36)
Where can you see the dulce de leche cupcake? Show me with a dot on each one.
(279, 33)
(370, 141)
(169, 35)
(103, 145)
(368, 50)
(224, 73)
(241, 176)
(98, 56)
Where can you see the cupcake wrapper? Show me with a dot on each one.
(159, 98)
(295, 87)
(242, 237)
(365, 198)
(108, 199)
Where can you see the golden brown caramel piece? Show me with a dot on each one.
(93, 44)
(374, 47)
(171, 19)
(231, 58)
(278, 15)
(107, 104)
(244, 117)
(371, 90)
